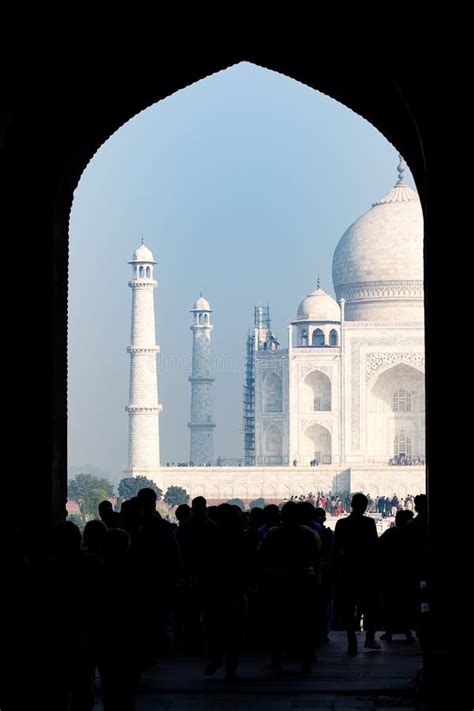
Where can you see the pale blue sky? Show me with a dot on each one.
(242, 185)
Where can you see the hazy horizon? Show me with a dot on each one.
(241, 184)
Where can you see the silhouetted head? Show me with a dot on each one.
(228, 516)
(289, 514)
(66, 539)
(319, 515)
(402, 517)
(147, 500)
(255, 517)
(94, 534)
(183, 512)
(359, 503)
(199, 506)
(305, 513)
(105, 508)
(212, 512)
(421, 504)
(271, 515)
(130, 515)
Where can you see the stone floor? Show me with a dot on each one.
(375, 680)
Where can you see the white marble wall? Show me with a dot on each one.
(279, 483)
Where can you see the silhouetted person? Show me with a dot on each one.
(395, 578)
(107, 514)
(130, 517)
(271, 518)
(155, 554)
(417, 561)
(183, 513)
(290, 562)
(355, 551)
(121, 630)
(327, 578)
(225, 578)
(184, 596)
(65, 590)
(93, 538)
(194, 538)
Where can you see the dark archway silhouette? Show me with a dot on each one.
(49, 133)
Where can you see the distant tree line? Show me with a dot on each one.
(88, 491)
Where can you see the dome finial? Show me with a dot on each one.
(317, 285)
(143, 240)
(200, 293)
(401, 169)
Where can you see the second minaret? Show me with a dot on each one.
(201, 424)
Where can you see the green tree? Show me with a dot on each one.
(257, 502)
(131, 485)
(88, 491)
(176, 495)
(236, 502)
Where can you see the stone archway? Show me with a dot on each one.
(396, 413)
(317, 444)
(272, 393)
(40, 176)
(316, 392)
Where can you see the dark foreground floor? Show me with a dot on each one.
(373, 680)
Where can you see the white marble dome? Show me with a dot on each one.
(143, 254)
(201, 304)
(378, 262)
(319, 306)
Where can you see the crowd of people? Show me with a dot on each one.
(338, 505)
(279, 578)
(405, 460)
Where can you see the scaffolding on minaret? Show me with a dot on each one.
(256, 340)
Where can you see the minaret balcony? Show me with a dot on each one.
(143, 349)
(142, 284)
(143, 410)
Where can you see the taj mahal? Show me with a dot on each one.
(339, 407)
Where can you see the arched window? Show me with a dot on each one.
(304, 337)
(318, 338)
(272, 393)
(205, 318)
(148, 272)
(140, 272)
(402, 401)
(402, 445)
(333, 338)
(317, 392)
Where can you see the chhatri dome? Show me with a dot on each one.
(201, 304)
(143, 254)
(378, 262)
(319, 306)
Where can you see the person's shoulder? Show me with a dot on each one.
(369, 522)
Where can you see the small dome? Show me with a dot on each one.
(201, 304)
(143, 254)
(319, 306)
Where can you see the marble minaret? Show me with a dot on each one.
(201, 424)
(143, 408)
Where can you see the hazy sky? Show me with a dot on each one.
(242, 184)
